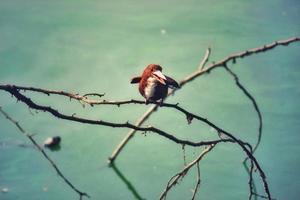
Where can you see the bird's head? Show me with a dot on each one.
(154, 70)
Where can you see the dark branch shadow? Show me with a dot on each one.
(130, 187)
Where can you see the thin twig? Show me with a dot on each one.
(30, 137)
(174, 179)
(94, 94)
(78, 97)
(255, 105)
(197, 182)
(205, 59)
(130, 134)
(240, 55)
(184, 155)
(251, 183)
(251, 179)
(262, 196)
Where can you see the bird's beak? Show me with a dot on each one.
(160, 77)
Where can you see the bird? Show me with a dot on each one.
(153, 84)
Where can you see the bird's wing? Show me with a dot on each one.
(172, 83)
(135, 80)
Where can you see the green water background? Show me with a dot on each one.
(97, 46)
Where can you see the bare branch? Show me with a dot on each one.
(252, 99)
(94, 94)
(246, 147)
(130, 134)
(146, 115)
(184, 156)
(197, 183)
(61, 93)
(205, 59)
(15, 92)
(251, 180)
(174, 179)
(196, 74)
(234, 57)
(262, 196)
(252, 188)
(30, 137)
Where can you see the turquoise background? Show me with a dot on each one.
(97, 46)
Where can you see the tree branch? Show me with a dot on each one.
(246, 147)
(29, 136)
(174, 179)
(148, 113)
(205, 59)
(200, 71)
(240, 55)
(251, 98)
(15, 92)
(197, 186)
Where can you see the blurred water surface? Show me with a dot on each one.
(97, 46)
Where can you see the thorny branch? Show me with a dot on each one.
(30, 137)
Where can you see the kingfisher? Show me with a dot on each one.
(153, 84)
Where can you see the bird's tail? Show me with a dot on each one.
(172, 83)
